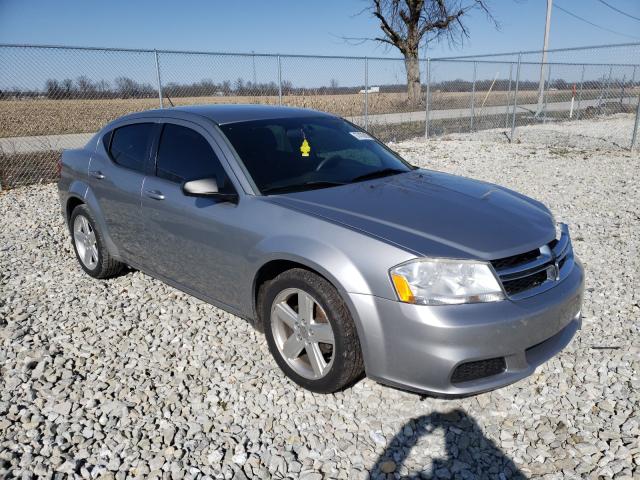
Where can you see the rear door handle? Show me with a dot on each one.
(96, 174)
(155, 194)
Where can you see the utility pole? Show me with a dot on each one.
(545, 47)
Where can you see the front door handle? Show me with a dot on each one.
(155, 194)
(96, 174)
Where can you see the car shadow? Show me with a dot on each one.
(468, 453)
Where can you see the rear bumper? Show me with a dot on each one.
(417, 347)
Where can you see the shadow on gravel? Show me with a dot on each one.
(469, 454)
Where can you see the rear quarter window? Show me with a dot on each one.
(128, 146)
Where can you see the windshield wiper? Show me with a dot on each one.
(300, 187)
(385, 172)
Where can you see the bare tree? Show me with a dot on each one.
(86, 88)
(53, 88)
(67, 87)
(405, 23)
(102, 87)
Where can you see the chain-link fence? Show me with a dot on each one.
(515, 89)
(55, 97)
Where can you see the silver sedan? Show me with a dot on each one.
(348, 258)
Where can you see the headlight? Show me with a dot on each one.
(445, 282)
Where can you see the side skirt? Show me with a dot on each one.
(200, 296)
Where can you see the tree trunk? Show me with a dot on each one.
(413, 78)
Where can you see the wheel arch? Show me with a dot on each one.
(72, 202)
(270, 270)
(85, 196)
(279, 264)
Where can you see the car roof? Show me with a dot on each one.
(225, 114)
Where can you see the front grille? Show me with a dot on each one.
(515, 259)
(465, 372)
(518, 285)
(529, 270)
(561, 261)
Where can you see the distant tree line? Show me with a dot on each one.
(84, 87)
(124, 87)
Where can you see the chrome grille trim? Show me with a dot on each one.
(525, 269)
(557, 253)
(562, 251)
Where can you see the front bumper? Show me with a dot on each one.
(418, 347)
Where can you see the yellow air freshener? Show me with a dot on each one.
(305, 148)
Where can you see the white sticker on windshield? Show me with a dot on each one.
(361, 135)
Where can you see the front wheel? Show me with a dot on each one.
(310, 332)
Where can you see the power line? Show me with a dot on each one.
(593, 24)
(618, 10)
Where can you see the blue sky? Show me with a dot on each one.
(291, 26)
(286, 27)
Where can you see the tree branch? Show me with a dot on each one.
(384, 40)
(395, 38)
(406, 23)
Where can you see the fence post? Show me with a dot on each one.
(155, 52)
(279, 81)
(633, 82)
(426, 100)
(366, 93)
(515, 99)
(634, 137)
(506, 110)
(580, 93)
(606, 92)
(605, 88)
(546, 94)
(473, 95)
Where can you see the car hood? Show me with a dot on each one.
(433, 214)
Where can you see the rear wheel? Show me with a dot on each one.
(310, 332)
(89, 245)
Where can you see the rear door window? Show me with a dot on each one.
(129, 146)
(184, 154)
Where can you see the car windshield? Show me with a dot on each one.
(295, 154)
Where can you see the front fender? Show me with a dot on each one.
(330, 262)
(327, 260)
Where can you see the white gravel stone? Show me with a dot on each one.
(130, 377)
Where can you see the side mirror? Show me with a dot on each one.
(207, 187)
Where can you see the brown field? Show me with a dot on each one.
(44, 117)
(31, 117)
(18, 169)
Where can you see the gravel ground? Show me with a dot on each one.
(130, 377)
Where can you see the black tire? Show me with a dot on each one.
(348, 365)
(106, 265)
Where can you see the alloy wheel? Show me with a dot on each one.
(302, 333)
(85, 241)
